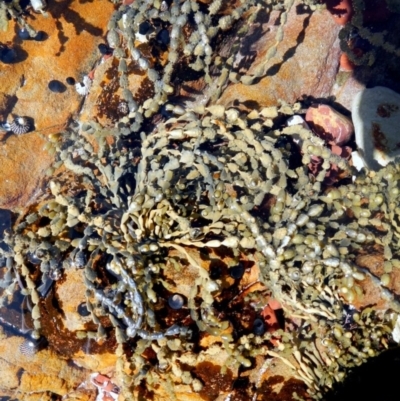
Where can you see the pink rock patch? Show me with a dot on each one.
(329, 124)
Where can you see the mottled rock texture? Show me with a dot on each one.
(71, 32)
(305, 64)
(41, 376)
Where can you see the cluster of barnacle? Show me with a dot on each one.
(211, 178)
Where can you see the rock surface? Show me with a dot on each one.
(329, 124)
(302, 66)
(41, 376)
(68, 48)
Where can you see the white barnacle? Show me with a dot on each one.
(214, 7)
(199, 18)
(174, 10)
(302, 220)
(231, 242)
(315, 210)
(20, 125)
(122, 67)
(232, 115)
(199, 49)
(83, 87)
(39, 5)
(173, 56)
(168, 88)
(188, 49)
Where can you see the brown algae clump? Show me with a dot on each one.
(202, 182)
(178, 192)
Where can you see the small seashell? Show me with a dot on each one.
(23, 34)
(31, 345)
(164, 6)
(79, 260)
(8, 55)
(104, 49)
(38, 5)
(20, 125)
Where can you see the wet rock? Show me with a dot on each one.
(346, 87)
(376, 117)
(72, 32)
(104, 362)
(71, 294)
(329, 124)
(24, 163)
(105, 100)
(43, 374)
(305, 63)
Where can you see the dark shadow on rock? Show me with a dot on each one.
(22, 35)
(274, 69)
(5, 224)
(249, 104)
(383, 68)
(375, 380)
(10, 102)
(246, 51)
(62, 9)
(12, 55)
(61, 37)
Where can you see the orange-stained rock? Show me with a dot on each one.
(69, 49)
(105, 99)
(23, 162)
(305, 63)
(80, 394)
(43, 373)
(70, 294)
(73, 30)
(103, 363)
